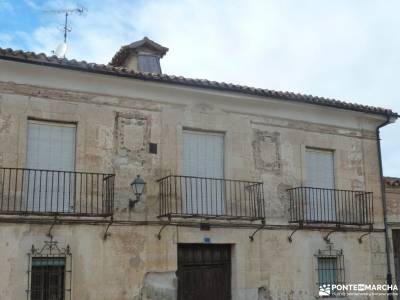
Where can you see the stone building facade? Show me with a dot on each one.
(250, 193)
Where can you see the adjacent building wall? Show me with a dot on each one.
(392, 190)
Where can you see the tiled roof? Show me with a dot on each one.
(53, 61)
(392, 181)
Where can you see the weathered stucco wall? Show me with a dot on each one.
(133, 264)
(114, 138)
(265, 140)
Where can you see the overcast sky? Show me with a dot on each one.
(344, 49)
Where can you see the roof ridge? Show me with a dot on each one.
(43, 59)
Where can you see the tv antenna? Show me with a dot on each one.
(62, 48)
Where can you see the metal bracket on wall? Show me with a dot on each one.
(51, 228)
(371, 228)
(251, 237)
(326, 238)
(290, 239)
(106, 233)
(361, 236)
(162, 228)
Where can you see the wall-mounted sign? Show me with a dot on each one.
(207, 240)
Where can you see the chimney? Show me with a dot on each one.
(140, 56)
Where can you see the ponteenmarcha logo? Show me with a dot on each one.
(356, 289)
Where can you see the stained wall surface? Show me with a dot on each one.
(264, 141)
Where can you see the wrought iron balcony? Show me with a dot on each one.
(210, 198)
(330, 206)
(48, 192)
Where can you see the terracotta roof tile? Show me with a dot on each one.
(392, 181)
(53, 61)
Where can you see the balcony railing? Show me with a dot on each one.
(48, 192)
(200, 197)
(330, 206)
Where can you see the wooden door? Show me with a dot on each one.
(204, 272)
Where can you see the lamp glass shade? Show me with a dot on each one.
(138, 185)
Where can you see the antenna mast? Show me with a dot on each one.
(62, 48)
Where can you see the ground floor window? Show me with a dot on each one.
(329, 271)
(47, 278)
(49, 274)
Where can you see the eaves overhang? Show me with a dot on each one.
(83, 66)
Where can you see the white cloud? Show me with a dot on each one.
(32, 4)
(342, 49)
(5, 38)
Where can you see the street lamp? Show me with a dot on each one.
(137, 188)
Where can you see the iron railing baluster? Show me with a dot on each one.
(22, 190)
(2, 188)
(16, 184)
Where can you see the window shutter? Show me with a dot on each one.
(203, 154)
(319, 169)
(51, 146)
(149, 63)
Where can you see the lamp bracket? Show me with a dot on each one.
(132, 203)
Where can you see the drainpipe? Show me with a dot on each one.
(387, 244)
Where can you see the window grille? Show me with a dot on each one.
(49, 272)
(329, 271)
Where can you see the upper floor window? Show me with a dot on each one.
(51, 146)
(319, 201)
(201, 189)
(319, 168)
(203, 156)
(320, 178)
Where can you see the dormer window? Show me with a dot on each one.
(140, 56)
(149, 63)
